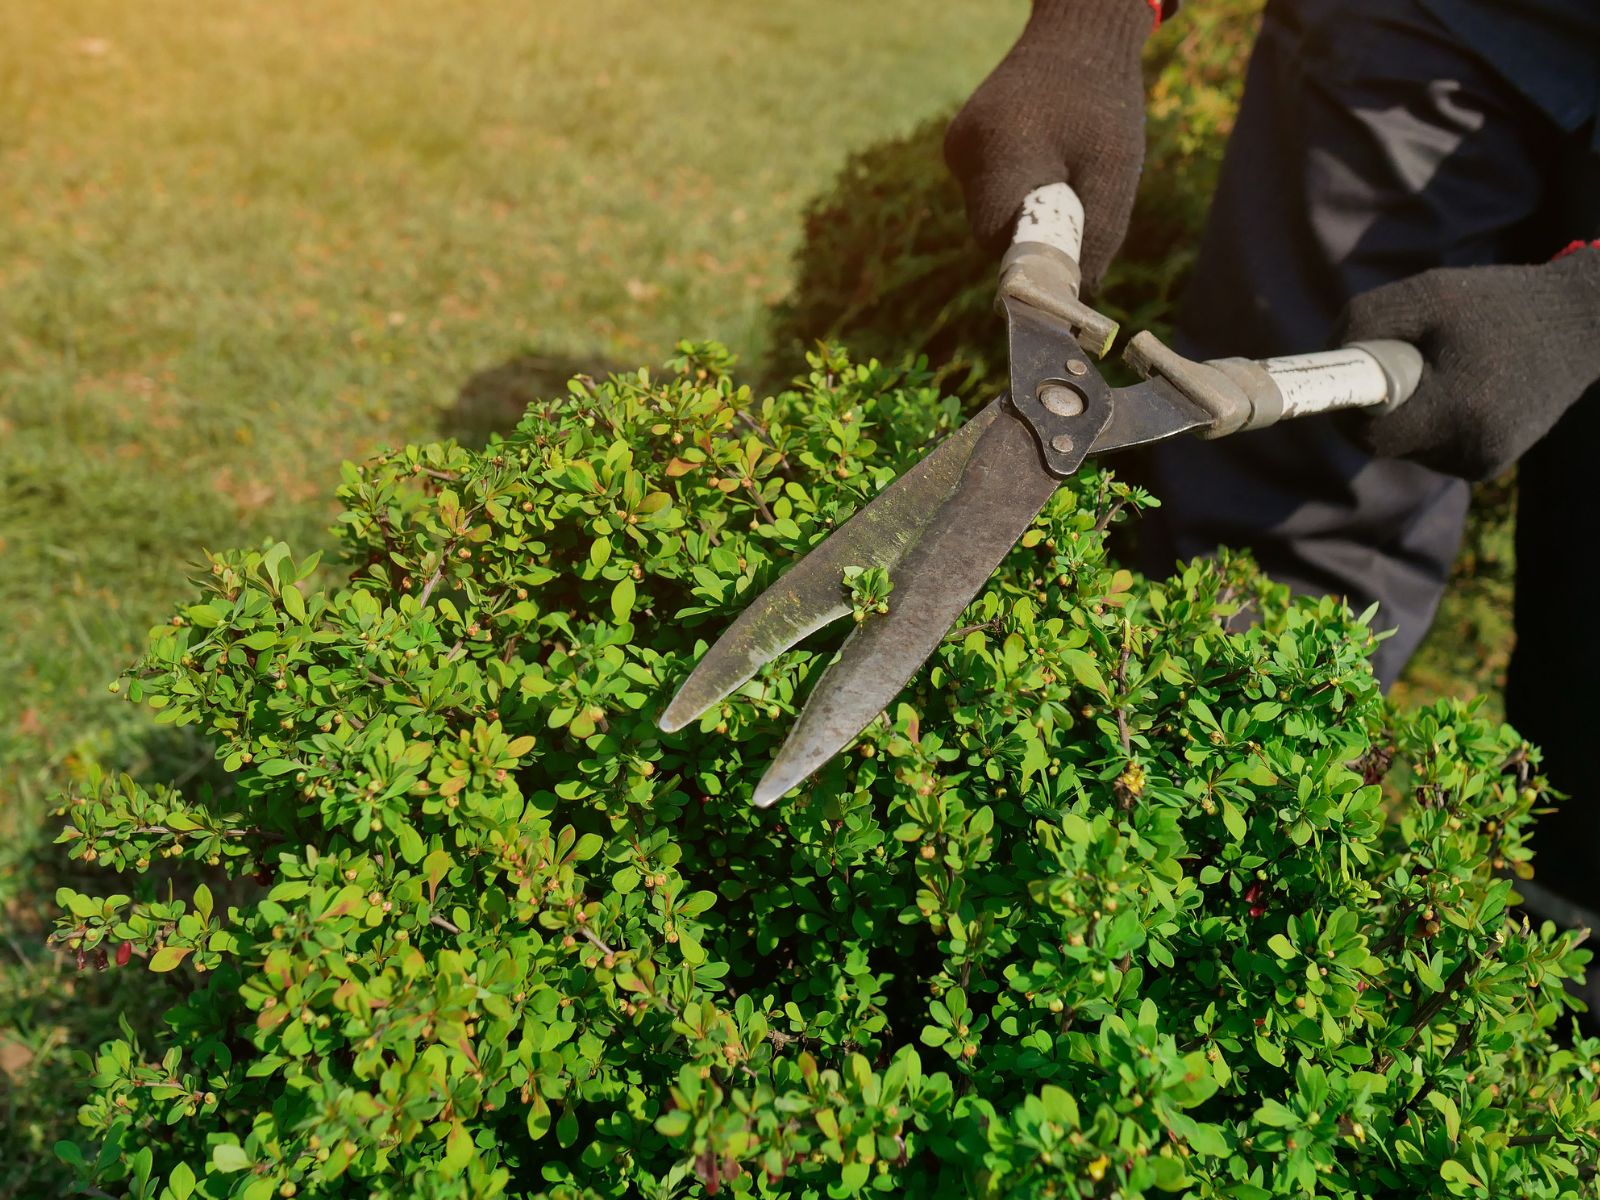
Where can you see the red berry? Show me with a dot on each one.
(1252, 893)
(1258, 910)
(124, 953)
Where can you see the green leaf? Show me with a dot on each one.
(168, 957)
(1447, 1108)
(622, 597)
(1273, 1113)
(1171, 1173)
(539, 1117)
(435, 867)
(410, 843)
(1281, 946)
(1428, 977)
(1452, 1171)
(270, 561)
(203, 615)
(1085, 670)
(1209, 1139)
(227, 1157)
(853, 1176)
(567, 1128)
(69, 1153)
(181, 1182)
(1269, 1053)
(457, 1148)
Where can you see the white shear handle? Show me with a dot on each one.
(1377, 374)
(1244, 393)
(1041, 267)
(1052, 215)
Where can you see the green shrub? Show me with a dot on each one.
(1110, 902)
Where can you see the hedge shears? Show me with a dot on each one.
(943, 527)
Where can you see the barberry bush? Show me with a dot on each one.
(1115, 900)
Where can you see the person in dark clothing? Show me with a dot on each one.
(1419, 169)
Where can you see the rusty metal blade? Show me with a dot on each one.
(1001, 490)
(1148, 412)
(811, 593)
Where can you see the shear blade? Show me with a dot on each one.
(811, 593)
(1146, 413)
(1000, 492)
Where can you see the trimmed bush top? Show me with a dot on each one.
(1114, 901)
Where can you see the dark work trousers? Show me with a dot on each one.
(1371, 145)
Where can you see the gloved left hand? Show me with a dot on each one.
(1066, 105)
(1507, 350)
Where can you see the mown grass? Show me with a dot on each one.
(243, 242)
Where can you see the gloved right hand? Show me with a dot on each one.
(1506, 351)
(1066, 105)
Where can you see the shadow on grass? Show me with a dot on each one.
(493, 400)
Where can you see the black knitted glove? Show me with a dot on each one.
(1066, 105)
(1507, 350)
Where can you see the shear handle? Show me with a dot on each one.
(1041, 266)
(1242, 394)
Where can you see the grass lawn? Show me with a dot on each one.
(243, 242)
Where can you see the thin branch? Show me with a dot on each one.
(596, 939)
(438, 574)
(1425, 1013)
(1532, 1139)
(444, 558)
(1431, 1082)
(447, 926)
(1121, 678)
(266, 834)
(755, 495)
(761, 432)
(1107, 517)
(990, 626)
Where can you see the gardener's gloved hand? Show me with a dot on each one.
(1507, 350)
(1066, 105)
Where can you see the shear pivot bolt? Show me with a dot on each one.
(1076, 366)
(1061, 400)
(1061, 443)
